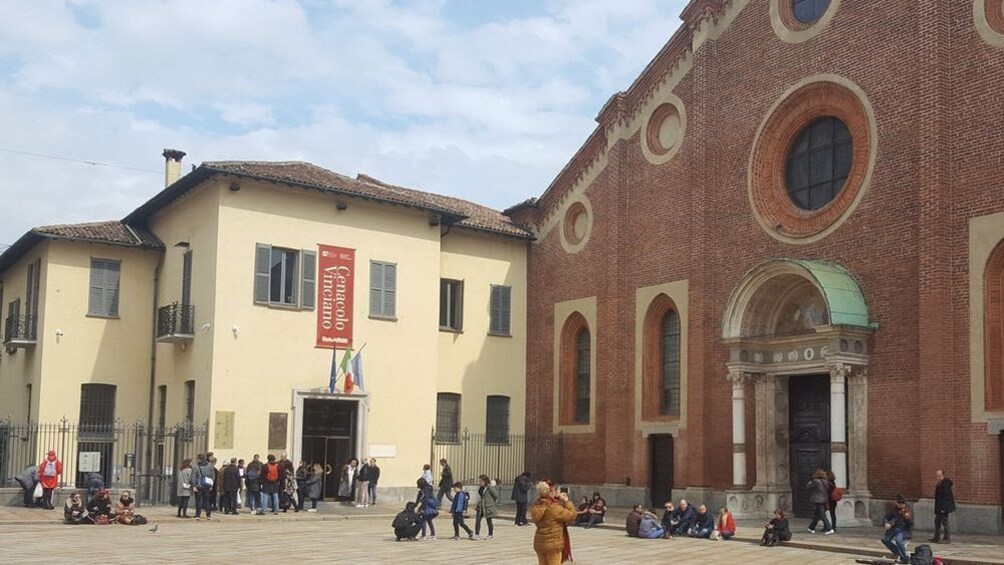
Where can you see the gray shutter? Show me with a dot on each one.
(186, 278)
(505, 309)
(112, 270)
(460, 306)
(308, 289)
(38, 288)
(96, 292)
(495, 310)
(390, 290)
(262, 256)
(376, 288)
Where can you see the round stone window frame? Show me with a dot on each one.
(570, 241)
(651, 147)
(790, 30)
(988, 16)
(808, 100)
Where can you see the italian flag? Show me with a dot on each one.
(344, 366)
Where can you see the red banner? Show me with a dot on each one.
(335, 273)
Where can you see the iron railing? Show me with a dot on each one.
(176, 320)
(20, 329)
(125, 455)
(471, 455)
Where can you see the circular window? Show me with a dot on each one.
(575, 226)
(989, 16)
(995, 15)
(664, 128)
(818, 163)
(809, 11)
(811, 160)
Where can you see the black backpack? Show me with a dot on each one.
(922, 555)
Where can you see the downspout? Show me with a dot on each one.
(148, 456)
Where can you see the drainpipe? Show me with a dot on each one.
(148, 456)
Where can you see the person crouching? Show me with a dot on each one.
(407, 524)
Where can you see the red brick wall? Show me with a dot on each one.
(935, 88)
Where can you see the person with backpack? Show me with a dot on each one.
(487, 506)
(429, 507)
(252, 483)
(944, 504)
(48, 474)
(271, 484)
(203, 479)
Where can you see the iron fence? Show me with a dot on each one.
(20, 328)
(175, 319)
(125, 455)
(475, 454)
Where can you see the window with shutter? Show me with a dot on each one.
(383, 289)
(189, 401)
(308, 283)
(186, 279)
(451, 305)
(103, 297)
(500, 310)
(262, 256)
(497, 424)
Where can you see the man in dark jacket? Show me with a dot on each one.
(408, 523)
(944, 504)
(203, 479)
(231, 486)
(252, 482)
(633, 521)
(704, 523)
(28, 479)
(374, 479)
(683, 519)
(521, 496)
(667, 515)
(898, 529)
(445, 482)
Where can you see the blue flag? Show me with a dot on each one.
(357, 370)
(334, 370)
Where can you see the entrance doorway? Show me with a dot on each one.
(660, 449)
(809, 425)
(329, 439)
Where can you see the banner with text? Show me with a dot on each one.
(335, 273)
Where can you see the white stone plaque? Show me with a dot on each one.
(383, 450)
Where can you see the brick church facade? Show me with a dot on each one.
(782, 248)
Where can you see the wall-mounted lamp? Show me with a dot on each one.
(205, 327)
(183, 244)
(341, 206)
(236, 329)
(59, 334)
(234, 187)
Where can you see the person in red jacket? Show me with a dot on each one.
(48, 474)
(725, 526)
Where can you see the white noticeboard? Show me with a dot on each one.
(383, 450)
(90, 462)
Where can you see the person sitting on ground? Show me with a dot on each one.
(898, 529)
(725, 525)
(582, 512)
(633, 521)
(598, 510)
(777, 530)
(407, 524)
(667, 515)
(704, 524)
(74, 511)
(683, 519)
(124, 509)
(99, 507)
(650, 526)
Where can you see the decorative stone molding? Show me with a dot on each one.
(738, 448)
(988, 15)
(790, 30)
(811, 99)
(664, 131)
(577, 225)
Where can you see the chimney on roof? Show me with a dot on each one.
(172, 166)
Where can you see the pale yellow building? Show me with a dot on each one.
(208, 302)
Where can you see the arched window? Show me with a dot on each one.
(661, 361)
(818, 163)
(669, 351)
(808, 11)
(993, 333)
(575, 366)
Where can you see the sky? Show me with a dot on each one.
(482, 99)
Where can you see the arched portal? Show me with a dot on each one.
(798, 331)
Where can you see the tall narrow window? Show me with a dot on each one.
(103, 298)
(97, 409)
(282, 277)
(28, 387)
(189, 401)
(582, 393)
(670, 353)
(500, 310)
(12, 323)
(451, 305)
(993, 333)
(31, 299)
(447, 417)
(161, 407)
(383, 289)
(497, 424)
(186, 278)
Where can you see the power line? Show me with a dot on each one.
(81, 161)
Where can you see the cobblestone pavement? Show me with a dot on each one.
(359, 540)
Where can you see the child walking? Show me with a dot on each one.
(458, 509)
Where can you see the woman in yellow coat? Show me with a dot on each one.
(552, 514)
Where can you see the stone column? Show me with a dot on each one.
(838, 422)
(738, 379)
(857, 390)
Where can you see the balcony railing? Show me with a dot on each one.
(176, 323)
(20, 331)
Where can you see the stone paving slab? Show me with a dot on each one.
(364, 541)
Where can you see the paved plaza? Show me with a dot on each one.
(359, 540)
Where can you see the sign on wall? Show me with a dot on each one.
(336, 271)
(277, 431)
(224, 436)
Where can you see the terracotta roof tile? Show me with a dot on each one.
(114, 232)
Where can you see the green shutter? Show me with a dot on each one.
(262, 256)
(308, 285)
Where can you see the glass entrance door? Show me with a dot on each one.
(329, 439)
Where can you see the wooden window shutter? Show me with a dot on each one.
(112, 271)
(376, 288)
(96, 291)
(262, 256)
(505, 309)
(308, 284)
(186, 278)
(390, 290)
